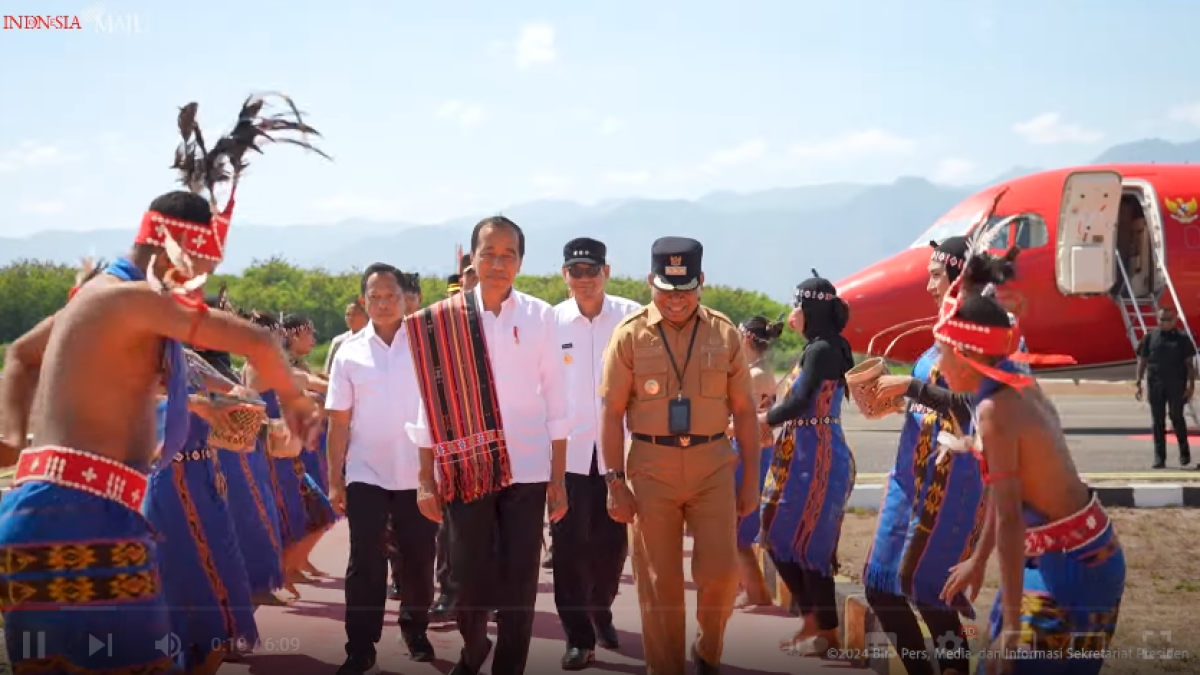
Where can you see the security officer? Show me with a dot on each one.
(1167, 361)
(676, 370)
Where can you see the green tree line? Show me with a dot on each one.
(33, 290)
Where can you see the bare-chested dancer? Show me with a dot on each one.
(73, 518)
(1062, 571)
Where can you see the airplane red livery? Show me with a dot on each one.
(1102, 247)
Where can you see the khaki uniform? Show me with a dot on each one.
(677, 485)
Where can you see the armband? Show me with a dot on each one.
(72, 292)
(201, 311)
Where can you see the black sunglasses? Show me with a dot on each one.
(584, 271)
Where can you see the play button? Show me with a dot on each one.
(95, 644)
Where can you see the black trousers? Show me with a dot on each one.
(1166, 398)
(368, 508)
(815, 592)
(495, 551)
(444, 580)
(589, 556)
(898, 620)
(445, 577)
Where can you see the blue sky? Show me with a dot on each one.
(433, 110)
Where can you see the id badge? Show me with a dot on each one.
(679, 416)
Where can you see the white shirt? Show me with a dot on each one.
(581, 349)
(377, 383)
(522, 344)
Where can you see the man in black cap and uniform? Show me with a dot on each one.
(591, 547)
(675, 369)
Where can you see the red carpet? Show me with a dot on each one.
(309, 637)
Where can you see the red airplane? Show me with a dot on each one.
(1102, 248)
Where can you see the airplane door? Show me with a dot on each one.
(1085, 253)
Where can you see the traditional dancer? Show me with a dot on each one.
(931, 517)
(1062, 571)
(757, 335)
(312, 466)
(812, 471)
(288, 480)
(252, 507)
(79, 494)
(203, 572)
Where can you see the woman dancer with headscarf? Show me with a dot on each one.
(251, 500)
(812, 469)
(931, 517)
(311, 468)
(757, 335)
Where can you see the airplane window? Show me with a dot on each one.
(1032, 231)
(942, 231)
(958, 228)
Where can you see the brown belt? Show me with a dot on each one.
(680, 441)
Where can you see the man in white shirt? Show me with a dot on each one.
(356, 319)
(590, 547)
(496, 429)
(372, 395)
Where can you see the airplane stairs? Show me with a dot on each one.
(1140, 315)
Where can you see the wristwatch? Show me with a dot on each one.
(612, 476)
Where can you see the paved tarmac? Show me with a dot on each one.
(1107, 434)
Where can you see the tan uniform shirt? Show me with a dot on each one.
(638, 374)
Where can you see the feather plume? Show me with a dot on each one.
(202, 169)
(985, 234)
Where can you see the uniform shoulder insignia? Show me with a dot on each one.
(632, 316)
(720, 316)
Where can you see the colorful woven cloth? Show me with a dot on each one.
(459, 395)
(81, 548)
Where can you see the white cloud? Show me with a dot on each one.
(745, 153)
(536, 46)
(611, 125)
(1049, 128)
(1189, 113)
(465, 114)
(870, 142)
(639, 177)
(32, 154)
(953, 170)
(42, 208)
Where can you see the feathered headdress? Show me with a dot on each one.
(203, 169)
(966, 336)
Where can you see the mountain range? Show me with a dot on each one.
(765, 240)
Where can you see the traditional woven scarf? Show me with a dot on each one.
(457, 387)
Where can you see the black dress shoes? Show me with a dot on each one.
(419, 648)
(578, 659)
(442, 610)
(606, 636)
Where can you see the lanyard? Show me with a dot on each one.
(686, 360)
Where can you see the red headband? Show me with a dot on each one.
(971, 338)
(199, 240)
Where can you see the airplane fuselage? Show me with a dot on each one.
(1059, 312)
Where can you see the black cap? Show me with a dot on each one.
(675, 263)
(584, 250)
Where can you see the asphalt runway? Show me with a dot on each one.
(1107, 434)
